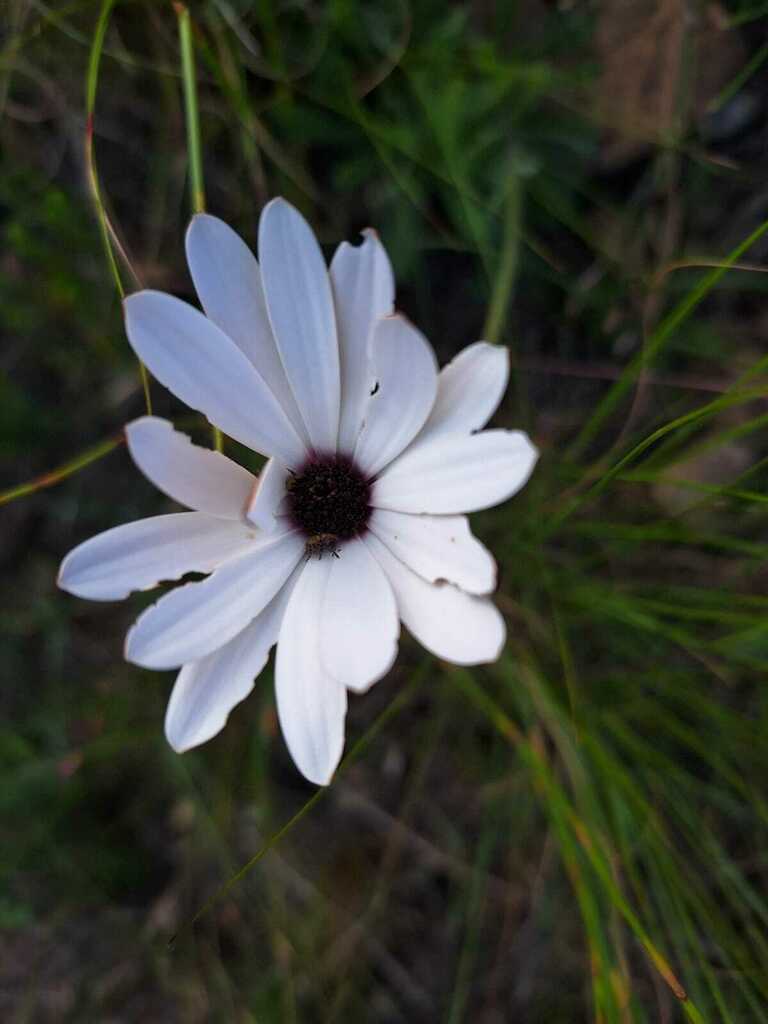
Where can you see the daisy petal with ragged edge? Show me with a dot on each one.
(357, 521)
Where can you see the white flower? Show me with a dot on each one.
(356, 522)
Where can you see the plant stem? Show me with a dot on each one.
(194, 149)
(189, 82)
(108, 237)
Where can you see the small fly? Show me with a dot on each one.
(321, 544)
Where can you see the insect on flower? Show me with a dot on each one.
(320, 544)
(374, 457)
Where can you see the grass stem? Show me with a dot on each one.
(108, 235)
(194, 147)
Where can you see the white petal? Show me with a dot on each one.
(457, 627)
(268, 501)
(198, 618)
(405, 369)
(206, 691)
(228, 282)
(469, 390)
(437, 548)
(363, 292)
(192, 357)
(298, 294)
(199, 478)
(311, 705)
(359, 626)
(457, 473)
(139, 555)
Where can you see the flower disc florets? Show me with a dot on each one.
(328, 499)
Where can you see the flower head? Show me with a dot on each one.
(357, 521)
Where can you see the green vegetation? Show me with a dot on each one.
(577, 833)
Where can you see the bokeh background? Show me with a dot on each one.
(577, 833)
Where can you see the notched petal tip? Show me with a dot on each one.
(363, 237)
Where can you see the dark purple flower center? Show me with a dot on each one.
(328, 499)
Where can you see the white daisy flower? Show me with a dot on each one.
(356, 522)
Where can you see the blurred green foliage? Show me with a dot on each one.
(577, 833)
